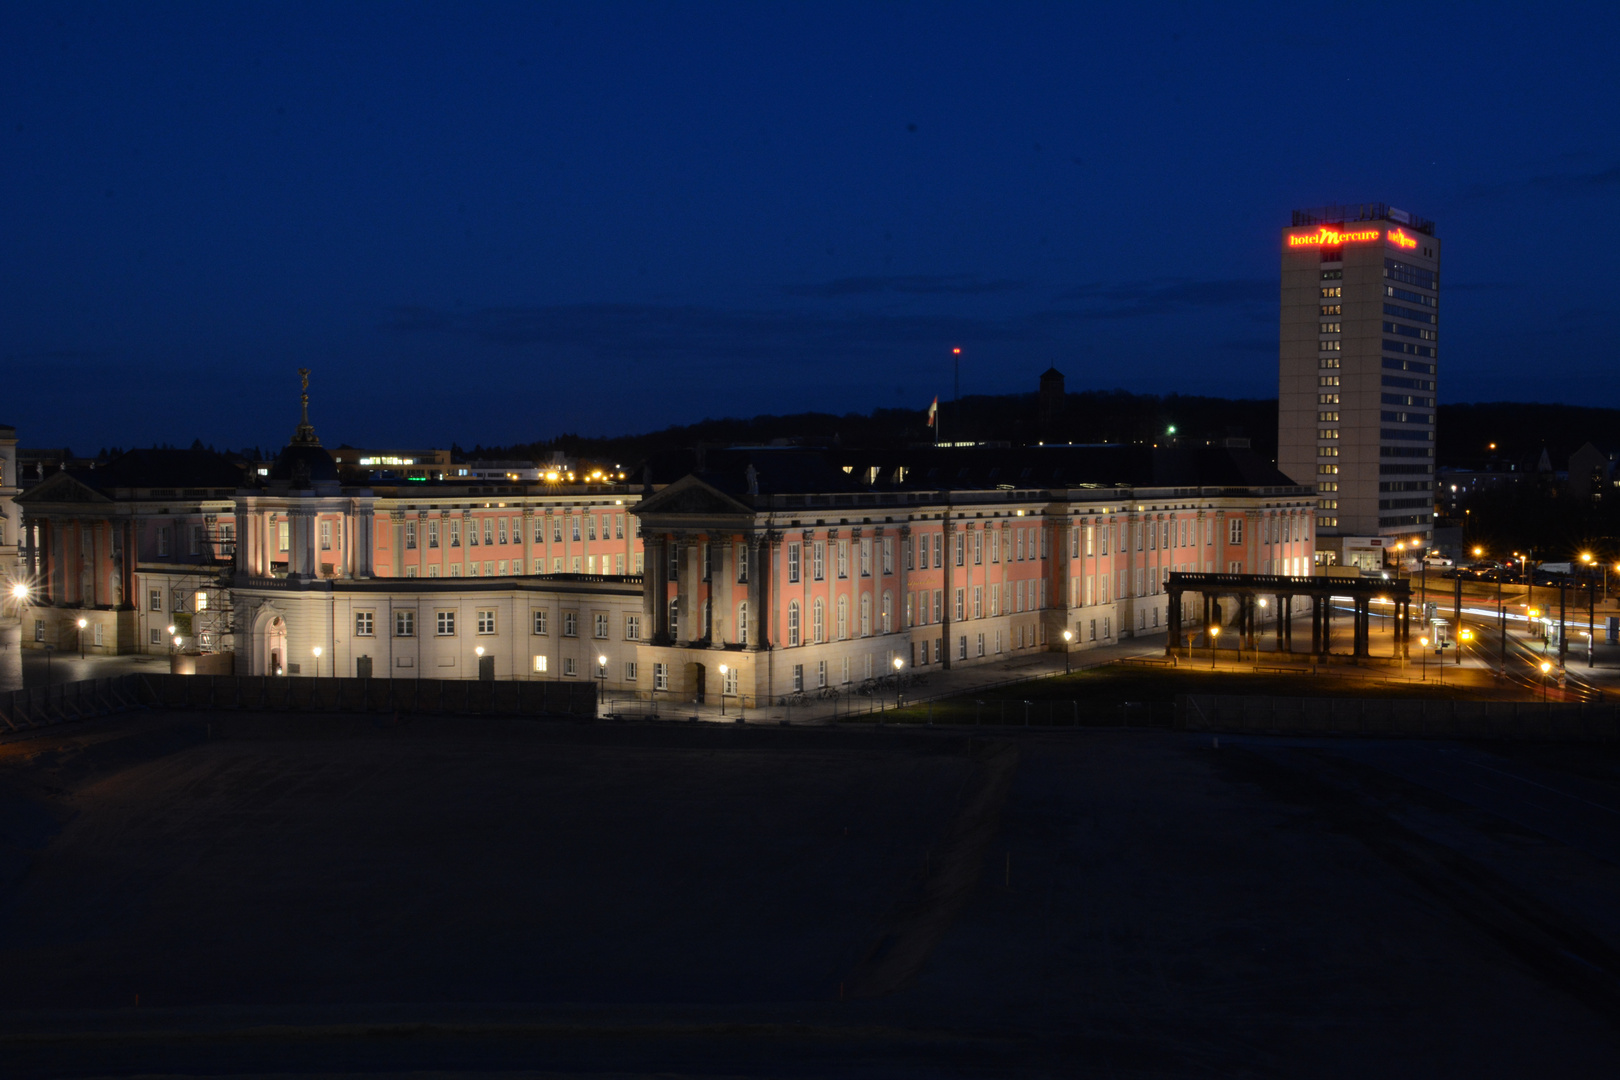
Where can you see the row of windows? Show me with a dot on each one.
(509, 530)
(1407, 313)
(1406, 451)
(1327, 485)
(1327, 418)
(1412, 275)
(1327, 433)
(1327, 380)
(1411, 384)
(1330, 328)
(226, 534)
(1411, 350)
(1401, 433)
(1327, 451)
(444, 623)
(1332, 275)
(1332, 309)
(1327, 470)
(1404, 470)
(1407, 399)
(1328, 362)
(1330, 346)
(1332, 292)
(1327, 399)
(1410, 297)
(1405, 485)
(1411, 331)
(1406, 417)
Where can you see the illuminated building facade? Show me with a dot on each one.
(1358, 369)
(801, 570)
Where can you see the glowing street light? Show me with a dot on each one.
(19, 591)
(1546, 666)
(317, 651)
(1423, 642)
(82, 624)
(1068, 636)
(723, 671)
(1214, 632)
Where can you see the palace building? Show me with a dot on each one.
(793, 569)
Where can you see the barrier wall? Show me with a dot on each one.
(1398, 718)
(40, 707)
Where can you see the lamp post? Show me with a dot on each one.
(1423, 643)
(601, 675)
(317, 651)
(82, 624)
(1068, 636)
(1591, 607)
(1463, 637)
(723, 670)
(898, 664)
(1546, 666)
(1214, 632)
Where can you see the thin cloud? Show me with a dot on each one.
(1144, 299)
(908, 285)
(1587, 183)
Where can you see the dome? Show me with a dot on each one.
(302, 466)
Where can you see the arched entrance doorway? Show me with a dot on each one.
(696, 675)
(274, 652)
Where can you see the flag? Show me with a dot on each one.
(933, 411)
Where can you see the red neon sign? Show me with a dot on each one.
(1326, 237)
(1399, 238)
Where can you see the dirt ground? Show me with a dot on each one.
(228, 895)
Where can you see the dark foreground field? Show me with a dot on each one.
(283, 897)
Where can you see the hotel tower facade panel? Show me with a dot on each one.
(1358, 369)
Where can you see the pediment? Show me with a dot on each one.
(689, 495)
(61, 488)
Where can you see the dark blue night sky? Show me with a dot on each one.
(495, 223)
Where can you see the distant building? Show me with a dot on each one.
(1358, 368)
(10, 515)
(1591, 473)
(406, 464)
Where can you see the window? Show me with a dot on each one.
(590, 528)
(843, 559)
(556, 529)
(539, 665)
(1332, 292)
(541, 620)
(447, 623)
(455, 533)
(570, 624)
(961, 605)
(866, 615)
(632, 628)
(404, 624)
(675, 618)
(618, 534)
(843, 618)
(978, 601)
(489, 531)
(888, 555)
(961, 549)
(39, 630)
(793, 622)
(961, 647)
(503, 531)
(742, 623)
(196, 539)
(798, 676)
(729, 682)
(740, 557)
(888, 613)
(818, 621)
(866, 557)
(154, 599)
(364, 621)
(486, 622)
(600, 625)
(163, 541)
(155, 637)
(821, 673)
(472, 533)
(570, 667)
(911, 548)
(978, 547)
(573, 525)
(939, 605)
(793, 562)
(660, 676)
(939, 549)
(629, 671)
(410, 536)
(433, 534)
(818, 561)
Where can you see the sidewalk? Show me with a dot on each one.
(1031, 664)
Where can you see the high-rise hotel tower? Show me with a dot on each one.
(1357, 371)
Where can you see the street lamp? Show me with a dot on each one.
(1546, 666)
(601, 675)
(1463, 637)
(723, 670)
(1068, 636)
(1423, 643)
(317, 661)
(82, 624)
(1214, 632)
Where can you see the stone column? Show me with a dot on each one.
(527, 525)
(687, 551)
(364, 522)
